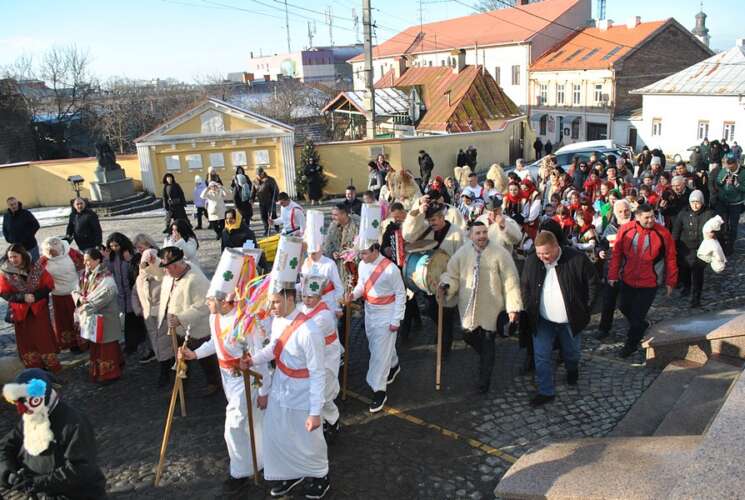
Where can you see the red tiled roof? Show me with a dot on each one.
(476, 102)
(593, 48)
(489, 28)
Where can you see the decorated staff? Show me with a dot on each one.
(293, 445)
(316, 309)
(381, 287)
(232, 335)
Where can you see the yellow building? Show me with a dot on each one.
(221, 135)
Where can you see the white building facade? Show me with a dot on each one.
(706, 100)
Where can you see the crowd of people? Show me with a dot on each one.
(529, 252)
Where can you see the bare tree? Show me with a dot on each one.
(487, 5)
(66, 70)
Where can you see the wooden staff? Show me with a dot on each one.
(174, 344)
(177, 389)
(247, 374)
(438, 364)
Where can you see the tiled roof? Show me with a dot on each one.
(721, 74)
(475, 100)
(593, 48)
(489, 28)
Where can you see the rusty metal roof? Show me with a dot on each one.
(465, 101)
(721, 74)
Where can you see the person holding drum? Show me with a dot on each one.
(428, 223)
(482, 277)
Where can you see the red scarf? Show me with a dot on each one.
(526, 194)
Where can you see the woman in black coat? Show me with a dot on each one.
(174, 201)
(242, 196)
(688, 234)
(313, 173)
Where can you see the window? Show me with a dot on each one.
(575, 128)
(559, 94)
(238, 158)
(657, 126)
(542, 94)
(703, 130)
(261, 157)
(217, 160)
(173, 162)
(555, 55)
(516, 74)
(598, 93)
(613, 52)
(728, 134)
(498, 75)
(542, 125)
(576, 94)
(572, 55)
(194, 161)
(589, 54)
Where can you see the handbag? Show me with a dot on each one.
(91, 328)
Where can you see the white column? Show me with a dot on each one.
(146, 168)
(287, 147)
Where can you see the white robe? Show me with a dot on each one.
(290, 451)
(293, 219)
(327, 268)
(237, 437)
(326, 322)
(378, 319)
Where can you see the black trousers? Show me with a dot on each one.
(449, 319)
(217, 226)
(411, 314)
(134, 332)
(482, 342)
(201, 212)
(610, 297)
(208, 364)
(268, 210)
(426, 174)
(692, 275)
(634, 303)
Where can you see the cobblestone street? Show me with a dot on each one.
(454, 443)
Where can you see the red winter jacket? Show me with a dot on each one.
(637, 250)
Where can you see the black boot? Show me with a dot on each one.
(696, 298)
(164, 378)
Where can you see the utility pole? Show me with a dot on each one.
(330, 22)
(311, 32)
(368, 49)
(420, 16)
(287, 27)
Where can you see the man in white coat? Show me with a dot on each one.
(382, 288)
(317, 264)
(315, 308)
(222, 322)
(291, 215)
(483, 277)
(293, 445)
(501, 228)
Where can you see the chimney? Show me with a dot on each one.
(604, 24)
(400, 65)
(633, 22)
(524, 2)
(252, 54)
(460, 60)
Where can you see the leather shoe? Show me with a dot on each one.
(572, 377)
(627, 351)
(540, 400)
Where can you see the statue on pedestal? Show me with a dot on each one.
(111, 183)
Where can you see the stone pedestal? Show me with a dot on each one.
(111, 185)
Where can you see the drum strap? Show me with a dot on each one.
(280, 346)
(385, 299)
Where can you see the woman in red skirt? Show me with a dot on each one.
(61, 262)
(26, 286)
(98, 312)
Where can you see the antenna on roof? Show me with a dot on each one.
(420, 16)
(330, 21)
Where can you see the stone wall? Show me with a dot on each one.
(668, 52)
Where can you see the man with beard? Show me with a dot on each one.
(52, 451)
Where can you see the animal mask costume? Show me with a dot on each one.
(34, 399)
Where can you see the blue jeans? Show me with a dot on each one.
(34, 252)
(543, 346)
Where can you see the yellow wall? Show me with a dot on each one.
(185, 176)
(343, 161)
(44, 183)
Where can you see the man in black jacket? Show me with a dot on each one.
(351, 202)
(84, 226)
(559, 287)
(266, 191)
(20, 226)
(426, 165)
(52, 451)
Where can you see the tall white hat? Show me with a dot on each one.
(227, 273)
(370, 219)
(287, 260)
(313, 285)
(313, 235)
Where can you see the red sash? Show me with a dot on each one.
(329, 339)
(384, 299)
(328, 289)
(279, 347)
(223, 358)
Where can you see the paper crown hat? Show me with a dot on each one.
(227, 273)
(313, 235)
(287, 261)
(313, 285)
(370, 218)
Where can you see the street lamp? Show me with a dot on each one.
(77, 184)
